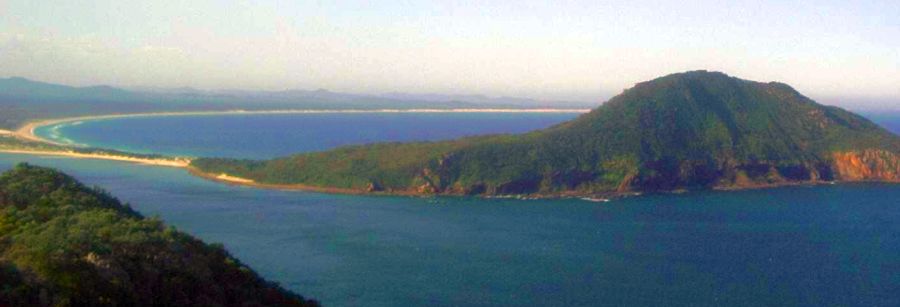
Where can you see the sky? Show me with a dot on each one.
(561, 50)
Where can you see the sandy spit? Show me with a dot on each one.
(176, 162)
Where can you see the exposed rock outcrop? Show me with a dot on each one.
(867, 165)
(374, 187)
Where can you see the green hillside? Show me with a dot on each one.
(63, 244)
(688, 130)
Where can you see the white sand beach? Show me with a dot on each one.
(229, 178)
(175, 162)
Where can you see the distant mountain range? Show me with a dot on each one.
(487, 100)
(688, 130)
(22, 88)
(416, 99)
(22, 100)
(37, 91)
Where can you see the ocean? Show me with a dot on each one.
(807, 245)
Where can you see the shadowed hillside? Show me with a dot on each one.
(63, 244)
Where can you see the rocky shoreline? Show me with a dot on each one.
(595, 196)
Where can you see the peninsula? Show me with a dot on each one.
(693, 130)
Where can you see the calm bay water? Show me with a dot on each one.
(814, 246)
(260, 136)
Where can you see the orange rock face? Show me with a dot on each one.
(877, 165)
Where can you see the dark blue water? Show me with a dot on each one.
(272, 135)
(833, 245)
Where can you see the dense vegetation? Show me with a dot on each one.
(686, 130)
(63, 244)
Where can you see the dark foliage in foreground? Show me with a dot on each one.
(64, 244)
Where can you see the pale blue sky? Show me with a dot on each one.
(580, 50)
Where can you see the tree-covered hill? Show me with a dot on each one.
(64, 244)
(688, 130)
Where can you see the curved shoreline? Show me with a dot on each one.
(299, 187)
(27, 131)
(244, 182)
(597, 196)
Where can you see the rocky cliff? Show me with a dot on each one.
(866, 165)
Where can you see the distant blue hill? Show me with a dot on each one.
(22, 100)
(17, 87)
